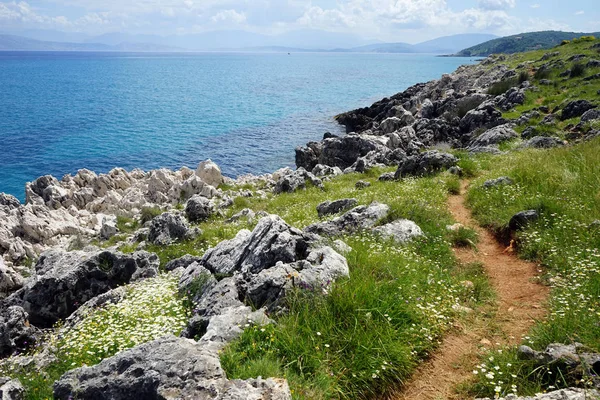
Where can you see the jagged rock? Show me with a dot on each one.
(245, 213)
(182, 262)
(210, 173)
(522, 219)
(16, 334)
(295, 180)
(168, 228)
(576, 109)
(563, 394)
(402, 230)
(388, 176)
(199, 209)
(484, 116)
(543, 142)
(66, 280)
(168, 367)
(343, 152)
(395, 123)
(362, 185)
(9, 201)
(484, 150)
(590, 115)
(456, 170)
(495, 136)
(513, 97)
(109, 227)
(334, 207)
(9, 279)
(11, 389)
(342, 247)
(362, 217)
(425, 163)
(503, 180)
(321, 170)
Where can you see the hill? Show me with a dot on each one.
(19, 43)
(520, 43)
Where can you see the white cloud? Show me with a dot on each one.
(580, 12)
(535, 6)
(229, 16)
(496, 4)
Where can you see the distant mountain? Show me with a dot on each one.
(19, 43)
(443, 45)
(520, 43)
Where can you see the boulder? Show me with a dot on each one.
(199, 208)
(522, 219)
(360, 185)
(425, 163)
(9, 201)
(503, 180)
(9, 279)
(485, 116)
(66, 280)
(562, 394)
(362, 217)
(589, 115)
(246, 213)
(343, 152)
(182, 262)
(386, 177)
(402, 230)
(210, 173)
(16, 334)
(168, 367)
(576, 109)
(334, 207)
(308, 157)
(321, 170)
(11, 389)
(495, 136)
(109, 227)
(543, 142)
(168, 228)
(294, 180)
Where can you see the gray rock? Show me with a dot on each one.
(11, 389)
(168, 228)
(402, 230)
(546, 82)
(562, 394)
(270, 286)
(484, 150)
(590, 115)
(495, 136)
(393, 124)
(210, 173)
(543, 142)
(246, 213)
(109, 227)
(362, 185)
(513, 97)
(65, 281)
(425, 163)
(362, 217)
(198, 208)
(576, 109)
(9, 280)
(16, 334)
(522, 219)
(593, 64)
(170, 368)
(182, 262)
(296, 180)
(343, 152)
(272, 240)
(321, 170)
(334, 207)
(196, 280)
(503, 180)
(484, 116)
(9, 201)
(388, 176)
(456, 170)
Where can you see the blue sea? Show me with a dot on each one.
(60, 112)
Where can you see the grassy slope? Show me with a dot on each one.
(520, 43)
(564, 185)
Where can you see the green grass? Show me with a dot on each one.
(564, 185)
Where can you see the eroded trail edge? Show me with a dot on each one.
(519, 303)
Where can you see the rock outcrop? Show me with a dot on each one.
(362, 217)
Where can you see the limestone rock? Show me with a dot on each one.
(543, 142)
(425, 163)
(576, 109)
(109, 227)
(522, 219)
(11, 389)
(210, 173)
(16, 334)
(503, 180)
(168, 228)
(495, 136)
(199, 209)
(402, 230)
(362, 217)
(334, 207)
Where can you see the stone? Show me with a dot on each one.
(543, 142)
(484, 116)
(341, 247)
(64, 281)
(9, 201)
(168, 228)
(210, 173)
(401, 231)
(11, 389)
(425, 163)
(246, 213)
(334, 207)
(198, 209)
(321, 170)
(494, 136)
(9, 280)
(290, 182)
(168, 367)
(562, 394)
(386, 177)
(16, 334)
(362, 185)
(503, 180)
(522, 219)
(590, 115)
(343, 152)
(109, 227)
(362, 217)
(576, 109)
(182, 262)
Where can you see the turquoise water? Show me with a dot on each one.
(60, 112)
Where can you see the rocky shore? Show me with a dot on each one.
(43, 282)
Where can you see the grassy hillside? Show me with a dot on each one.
(521, 43)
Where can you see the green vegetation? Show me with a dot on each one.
(563, 184)
(525, 42)
(105, 331)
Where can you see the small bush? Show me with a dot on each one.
(453, 185)
(564, 42)
(542, 73)
(578, 69)
(149, 213)
(502, 87)
(523, 76)
(464, 237)
(589, 38)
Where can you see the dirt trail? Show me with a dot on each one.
(520, 302)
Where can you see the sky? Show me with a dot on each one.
(386, 20)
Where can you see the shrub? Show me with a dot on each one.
(523, 76)
(564, 42)
(149, 213)
(542, 73)
(578, 69)
(464, 237)
(453, 185)
(501, 87)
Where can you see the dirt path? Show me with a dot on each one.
(519, 303)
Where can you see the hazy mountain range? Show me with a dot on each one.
(296, 41)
